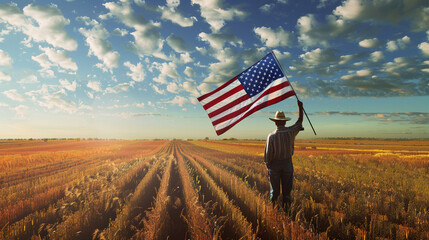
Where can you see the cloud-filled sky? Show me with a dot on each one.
(134, 68)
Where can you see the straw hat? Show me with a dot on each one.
(280, 116)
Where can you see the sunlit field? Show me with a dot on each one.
(117, 189)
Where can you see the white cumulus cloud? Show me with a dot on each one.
(94, 85)
(5, 77)
(226, 67)
(369, 43)
(179, 100)
(171, 13)
(218, 40)
(383, 11)
(376, 56)
(185, 58)
(274, 37)
(318, 56)
(400, 43)
(193, 100)
(140, 105)
(189, 71)
(55, 102)
(176, 17)
(122, 87)
(136, 71)
(166, 69)
(176, 43)
(281, 55)
(172, 87)
(364, 73)
(29, 79)
(157, 90)
(147, 38)
(14, 95)
(173, 3)
(58, 58)
(424, 47)
(71, 86)
(266, 8)
(312, 32)
(191, 87)
(5, 59)
(215, 15)
(119, 32)
(40, 24)
(96, 39)
(204, 88)
(391, 46)
(43, 60)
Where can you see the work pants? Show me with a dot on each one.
(281, 174)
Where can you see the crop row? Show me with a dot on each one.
(182, 191)
(267, 221)
(81, 189)
(172, 194)
(348, 195)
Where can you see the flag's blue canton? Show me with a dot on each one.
(256, 78)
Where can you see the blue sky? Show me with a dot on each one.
(133, 69)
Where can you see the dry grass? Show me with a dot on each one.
(343, 189)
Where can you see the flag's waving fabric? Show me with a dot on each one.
(261, 85)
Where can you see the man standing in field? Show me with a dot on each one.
(278, 155)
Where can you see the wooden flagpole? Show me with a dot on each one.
(290, 84)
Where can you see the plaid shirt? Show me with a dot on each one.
(280, 144)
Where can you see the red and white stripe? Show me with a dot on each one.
(229, 104)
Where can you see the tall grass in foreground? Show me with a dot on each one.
(362, 196)
(89, 203)
(357, 191)
(154, 224)
(237, 222)
(200, 226)
(101, 202)
(121, 227)
(192, 192)
(271, 222)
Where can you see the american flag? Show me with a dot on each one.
(259, 86)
